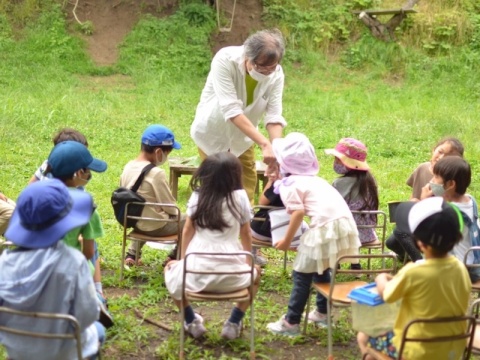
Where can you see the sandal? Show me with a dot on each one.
(130, 260)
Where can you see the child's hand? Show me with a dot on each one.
(426, 192)
(282, 245)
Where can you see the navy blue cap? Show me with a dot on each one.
(68, 157)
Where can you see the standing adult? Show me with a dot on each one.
(245, 83)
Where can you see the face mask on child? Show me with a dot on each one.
(339, 168)
(162, 161)
(437, 189)
(84, 180)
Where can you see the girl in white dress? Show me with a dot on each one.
(332, 232)
(218, 213)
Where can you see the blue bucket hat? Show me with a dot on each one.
(159, 135)
(68, 157)
(45, 212)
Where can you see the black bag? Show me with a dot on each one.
(122, 196)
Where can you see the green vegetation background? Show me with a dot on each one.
(399, 98)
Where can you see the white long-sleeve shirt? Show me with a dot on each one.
(225, 97)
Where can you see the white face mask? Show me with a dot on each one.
(162, 161)
(258, 76)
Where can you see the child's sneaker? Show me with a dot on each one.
(196, 328)
(231, 330)
(282, 327)
(318, 318)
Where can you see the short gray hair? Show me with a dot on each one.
(268, 44)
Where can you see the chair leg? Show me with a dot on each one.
(181, 354)
(252, 332)
(124, 244)
(307, 310)
(329, 322)
(285, 261)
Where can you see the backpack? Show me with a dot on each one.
(122, 196)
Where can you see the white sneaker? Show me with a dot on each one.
(231, 330)
(318, 318)
(196, 328)
(282, 327)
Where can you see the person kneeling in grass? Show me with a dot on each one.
(436, 287)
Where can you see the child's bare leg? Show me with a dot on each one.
(362, 340)
(243, 305)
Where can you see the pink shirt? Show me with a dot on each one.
(320, 201)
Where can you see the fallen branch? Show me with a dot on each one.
(75, 13)
(153, 322)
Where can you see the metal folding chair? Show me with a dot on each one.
(74, 335)
(476, 284)
(257, 243)
(237, 296)
(137, 237)
(336, 291)
(467, 336)
(380, 227)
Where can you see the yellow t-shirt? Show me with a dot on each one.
(430, 289)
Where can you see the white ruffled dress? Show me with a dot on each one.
(333, 231)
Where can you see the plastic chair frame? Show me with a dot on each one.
(141, 237)
(350, 285)
(75, 335)
(208, 296)
(468, 334)
(381, 223)
(264, 244)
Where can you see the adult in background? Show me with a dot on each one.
(245, 83)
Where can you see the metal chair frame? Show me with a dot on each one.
(75, 335)
(381, 224)
(239, 295)
(137, 237)
(264, 244)
(336, 292)
(469, 335)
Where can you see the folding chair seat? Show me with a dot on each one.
(203, 296)
(74, 335)
(336, 291)
(175, 239)
(380, 227)
(476, 284)
(467, 336)
(266, 244)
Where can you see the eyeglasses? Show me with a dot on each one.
(265, 69)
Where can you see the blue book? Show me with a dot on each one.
(366, 295)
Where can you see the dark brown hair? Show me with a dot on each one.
(215, 180)
(69, 134)
(454, 168)
(457, 146)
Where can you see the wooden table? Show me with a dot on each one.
(180, 166)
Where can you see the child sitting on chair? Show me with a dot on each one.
(357, 185)
(218, 213)
(332, 232)
(451, 177)
(42, 274)
(437, 287)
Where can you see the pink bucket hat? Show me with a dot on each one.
(352, 153)
(295, 154)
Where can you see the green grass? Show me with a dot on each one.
(395, 99)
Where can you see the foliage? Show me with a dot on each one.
(171, 46)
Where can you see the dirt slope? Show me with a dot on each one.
(112, 20)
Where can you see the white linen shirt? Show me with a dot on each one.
(225, 96)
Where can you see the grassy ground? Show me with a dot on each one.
(397, 102)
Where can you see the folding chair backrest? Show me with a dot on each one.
(474, 311)
(380, 225)
(75, 334)
(171, 239)
(467, 336)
